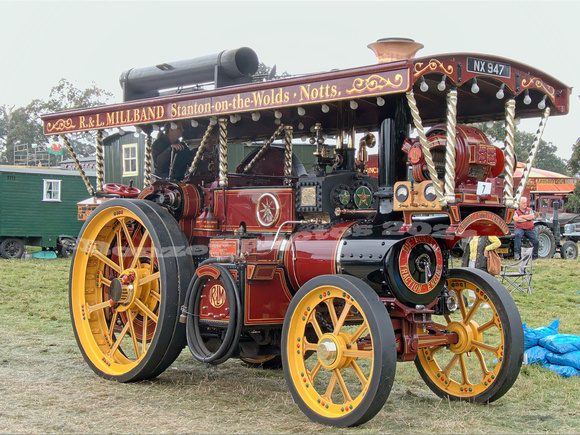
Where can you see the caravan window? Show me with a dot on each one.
(51, 190)
(129, 159)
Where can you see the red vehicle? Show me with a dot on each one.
(331, 272)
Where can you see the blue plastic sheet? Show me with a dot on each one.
(536, 355)
(571, 359)
(561, 343)
(564, 371)
(533, 336)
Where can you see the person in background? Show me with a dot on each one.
(474, 253)
(524, 224)
(168, 149)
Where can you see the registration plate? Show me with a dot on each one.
(488, 67)
(502, 250)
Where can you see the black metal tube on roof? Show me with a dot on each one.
(225, 68)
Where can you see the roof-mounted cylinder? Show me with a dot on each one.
(227, 68)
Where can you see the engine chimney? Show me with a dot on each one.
(389, 49)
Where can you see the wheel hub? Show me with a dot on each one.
(327, 351)
(466, 333)
(123, 290)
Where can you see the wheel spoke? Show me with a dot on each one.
(144, 332)
(340, 322)
(464, 376)
(450, 365)
(117, 342)
(359, 373)
(155, 295)
(113, 323)
(150, 278)
(139, 249)
(486, 326)
(331, 310)
(315, 325)
(309, 346)
(146, 310)
(342, 386)
(133, 335)
(358, 333)
(472, 311)
(102, 305)
(312, 373)
(358, 353)
(127, 235)
(120, 248)
(484, 346)
(331, 384)
(482, 363)
(106, 260)
(105, 281)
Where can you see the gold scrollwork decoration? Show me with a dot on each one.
(538, 83)
(60, 125)
(433, 65)
(374, 83)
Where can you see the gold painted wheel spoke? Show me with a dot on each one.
(436, 349)
(96, 307)
(484, 346)
(105, 281)
(331, 384)
(150, 278)
(472, 311)
(106, 260)
(127, 235)
(440, 326)
(144, 238)
(155, 295)
(312, 373)
(482, 363)
(339, 324)
(331, 310)
(486, 326)
(358, 353)
(464, 376)
(133, 335)
(144, 333)
(119, 339)
(120, 248)
(315, 325)
(362, 378)
(358, 333)
(146, 310)
(450, 365)
(342, 386)
(309, 346)
(113, 323)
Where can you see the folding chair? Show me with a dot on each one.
(519, 276)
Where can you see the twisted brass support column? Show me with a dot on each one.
(425, 148)
(100, 172)
(147, 175)
(288, 155)
(510, 154)
(450, 154)
(223, 151)
(264, 148)
(86, 180)
(532, 156)
(199, 153)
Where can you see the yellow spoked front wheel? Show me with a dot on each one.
(485, 362)
(338, 350)
(127, 283)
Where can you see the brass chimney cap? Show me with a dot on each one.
(389, 49)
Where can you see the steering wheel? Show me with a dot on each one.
(121, 190)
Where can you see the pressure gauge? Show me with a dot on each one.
(402, 193)
(429, 192)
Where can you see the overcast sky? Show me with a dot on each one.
(86, 42)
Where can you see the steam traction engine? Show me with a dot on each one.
(337, 272)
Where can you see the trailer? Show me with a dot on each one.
(38, 207)
(331, 272)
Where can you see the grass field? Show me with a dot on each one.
(46, 387)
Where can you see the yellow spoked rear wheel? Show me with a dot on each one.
(338, 351)
(485, 362)
(127, 284)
